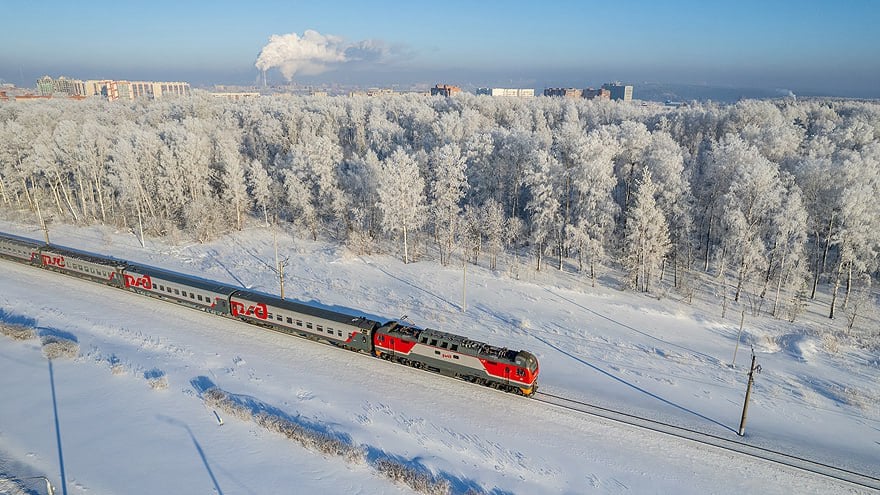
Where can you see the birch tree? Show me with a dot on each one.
(646, 235)
(401, 196)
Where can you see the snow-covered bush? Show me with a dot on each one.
(416, 479)
(17, 332)
(55, 347)
(315, 441)
(156, 378)
(11, 486)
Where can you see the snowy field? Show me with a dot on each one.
(128, 416)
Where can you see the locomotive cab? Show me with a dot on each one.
(527, 360)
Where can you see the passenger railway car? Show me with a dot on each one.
(312, 322)
(445, 353)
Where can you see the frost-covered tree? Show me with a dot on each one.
(493, 228)
(646, 235)
(755, 191)
(665, 162)
(231, 176)
(543, 207)
(401, 196)
(448, 187)
(788, 234)
(858, 237)
(594, 211)
(259, 187)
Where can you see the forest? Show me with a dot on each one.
(773, 199)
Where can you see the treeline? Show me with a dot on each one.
(776, 197)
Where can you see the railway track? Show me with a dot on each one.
(792, 461)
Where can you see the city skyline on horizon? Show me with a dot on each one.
(802, 47)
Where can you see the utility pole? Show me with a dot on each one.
(464, 286)
(738, 335)
(42, 220)
(752, 371)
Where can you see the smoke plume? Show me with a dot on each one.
(314, 53)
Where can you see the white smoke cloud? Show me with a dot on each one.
(314, 53)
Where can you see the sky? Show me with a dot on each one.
(805, 46)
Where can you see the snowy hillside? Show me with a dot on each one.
(128, 414)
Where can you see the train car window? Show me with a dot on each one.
(279, 318)
(434, 342)
(192, 296)
(437, 352)
(308, 325)
(299, 323)
(453, 347)
(176, 292)
(455, 356)
(168, 290)
(339, 333)
(381, 338)
(444, 345)
(290, 320)
(154, 286)
(520, 372)
(183, 293)
(200, 297)
(269, 316)
(320, 328)
(424, 340)
(161, 287)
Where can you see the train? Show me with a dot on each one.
(441, 352)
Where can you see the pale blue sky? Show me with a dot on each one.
(805, 45)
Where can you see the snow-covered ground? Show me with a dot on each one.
(107, 422)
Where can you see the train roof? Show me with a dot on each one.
(465, 345)
(192, 281)
(85, 256)
(21, 240)
(306, 309)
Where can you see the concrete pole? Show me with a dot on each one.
(742, 422)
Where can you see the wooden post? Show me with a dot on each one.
(752, 370)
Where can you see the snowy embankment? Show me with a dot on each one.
(128, 413)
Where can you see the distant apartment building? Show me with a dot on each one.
(236, 96)
(597, 94)
(563, 92)
(619, 92)
(445, 90)
(514, 92)
(47, 86)
(372, 92)
(110, 89)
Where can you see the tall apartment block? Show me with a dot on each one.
(619, 91)
(563, 92)
(515, 92)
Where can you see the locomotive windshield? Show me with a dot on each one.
(527, 360)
